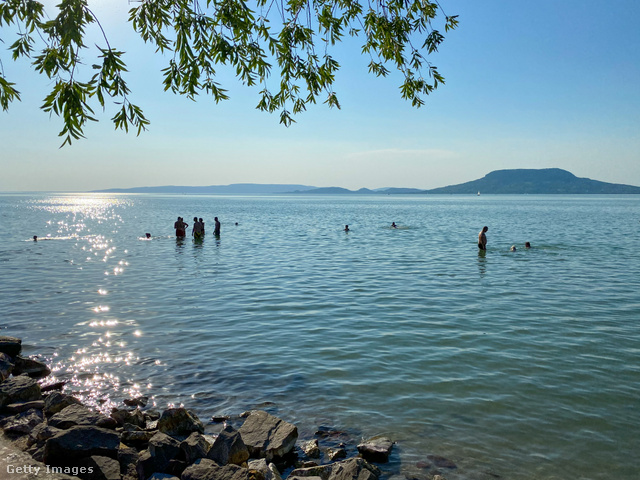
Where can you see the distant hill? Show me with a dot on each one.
(236, 188)
(335, 191)
(530, 181)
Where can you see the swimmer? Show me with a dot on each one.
(527, 245)
(482, 238)
(35, 238)
(346, 228)
(513, 248)
(148, 235)
(393, 225)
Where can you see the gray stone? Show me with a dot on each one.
(268, 436)
(195, 447)
(24, 422)
(376, 449)
(441, 462)
(79, 442)
(136, 402)
(33, 368)
(6, 366)
(80, 415)
(205, 469)
(162, 476)
(228, 448)
(336, 454)
(19, 389)
(138, 438)
(163, 449)
(10, 345)
(43, 432)
(351, 469)
(24, 406)
(98, 468)
(179, 421)
(133, 417)
(57, 401)
(311, 448)
(145, 466)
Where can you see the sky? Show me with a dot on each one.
(546, 84)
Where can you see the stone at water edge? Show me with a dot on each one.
(33, 368)
(57, 401)
(376, 449)
(311, 448)
(228, 448)
(353, 468)
(179, 421)
(268, 436)
(10, 345)
(80, 415)
(19, 389)
(195, 446)
(162, 449)
(6, 366)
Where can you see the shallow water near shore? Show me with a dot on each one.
(515, 365)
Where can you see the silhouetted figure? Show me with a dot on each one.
(216, 228)
(202, 223)
(35, 238)
(197, 229)
(148, 235)
(527, 245)
(346, 228)
(181, 227)
(393, 225)
(482, 238)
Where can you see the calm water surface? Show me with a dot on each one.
(521, 365)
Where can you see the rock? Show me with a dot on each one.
(128, 458)
(163, 449)
(268, 436)
(54, 386)
(138, 439)
(43, 432)
(259, 465)
(176, 467)
(6, 366)
(179, 421)
(24, 422)
(136, 402)
(80, 415)
(376, 449)
(19, 389)
(10, 345)
(336, 454)
(56, 401)
(152, 415)
(205, 469)
(353, 468)
(79, 442)
(195, 447)
(441, 462)
(145, 466)
(98, 468)
(24, 406)
(311, 449)
(31, 367)
(273, 473)
(162, 476)
(228, 448)
(135, 417)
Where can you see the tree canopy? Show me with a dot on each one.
(290, 40)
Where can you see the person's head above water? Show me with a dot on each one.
(527, 245)
(35, 238)
(148, 235)
(513, 248)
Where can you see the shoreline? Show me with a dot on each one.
(53, 435)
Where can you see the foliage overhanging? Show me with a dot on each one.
(292, 38)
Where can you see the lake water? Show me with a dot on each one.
(514, 365)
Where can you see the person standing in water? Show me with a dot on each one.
(202, 224)
(197, 229)
(216, 229)
(181, 227)
(346, 228)
(482, 238)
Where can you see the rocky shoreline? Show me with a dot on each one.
(65, 437)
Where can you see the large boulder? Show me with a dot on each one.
(205, 469)
(163, 449)
(268, 436)
(57, 401)
(132, 417)
(179, 421)
(6, 366)
(79, 442)
(80, 415)
(351, 469)
(10, 345)
(24, 406)
(376, 449)
(228, 448)
(266, 471)
(19, 389)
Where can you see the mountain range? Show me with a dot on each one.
(517, 181)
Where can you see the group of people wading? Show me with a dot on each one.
(197, 230)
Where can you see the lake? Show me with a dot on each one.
(516, 365)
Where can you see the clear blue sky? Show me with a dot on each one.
(529, 85)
